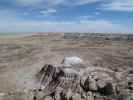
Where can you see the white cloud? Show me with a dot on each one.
(79, 2)
(10, 22)
(17, 25)
(51, 3)
(48, 11)
(119, 5)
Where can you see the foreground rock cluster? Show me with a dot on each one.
(76, 81)
(88, 83)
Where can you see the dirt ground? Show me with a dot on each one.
(21, 57)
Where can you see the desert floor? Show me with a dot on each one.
(22, 56)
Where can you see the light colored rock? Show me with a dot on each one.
(2, 95)
(69, 94)
(90, 96)
(76, 97)
(92, 85)
(48, 98)
(58, 93)
(101, 83)
(68, 61)
(89, 84)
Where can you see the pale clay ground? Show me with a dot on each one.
(23, 57)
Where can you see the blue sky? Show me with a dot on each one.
(66, 16)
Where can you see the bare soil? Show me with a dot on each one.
(22, 57)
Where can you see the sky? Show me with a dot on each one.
(66, 16)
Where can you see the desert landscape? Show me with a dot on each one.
(109, 59)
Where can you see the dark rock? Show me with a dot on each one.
(130, 85)
(34, 98)
(106, 90)
(89, 84)
(131, 72)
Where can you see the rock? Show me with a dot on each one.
(88, 84)
(107, 89)
(68, 61)
(76, 97)
(101, 83)
(2, 95)
(130, 85)
(95, 77)
(117, 89)
(48, 98)
(69, 94)
(58, 92)
(92, 85)
(90, 96)
(131, 72)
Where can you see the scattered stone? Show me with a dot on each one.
(117, 89)
(90, 96)
(131, 72)
(130, 85)
(48, 98)
(58, 92)
(77, 97)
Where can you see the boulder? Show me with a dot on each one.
(106, 90)
(48, 98)
(68, 61)
(92, 85)
(88, 84)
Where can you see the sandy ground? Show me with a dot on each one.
(21, 57)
